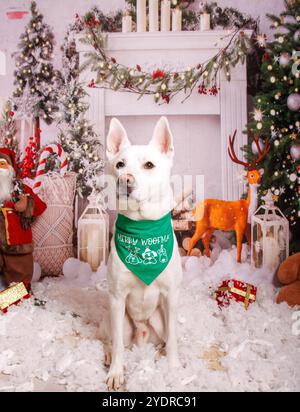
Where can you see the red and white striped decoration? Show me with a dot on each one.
(52, 148)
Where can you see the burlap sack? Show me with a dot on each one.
(53, 230)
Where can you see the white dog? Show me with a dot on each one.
(140, 311)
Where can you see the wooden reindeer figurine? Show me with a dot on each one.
(213, 214)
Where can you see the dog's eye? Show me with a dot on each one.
(120, 164)
(148, 165)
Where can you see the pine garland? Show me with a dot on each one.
(163, 85)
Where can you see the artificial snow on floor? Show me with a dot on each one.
(50, 342)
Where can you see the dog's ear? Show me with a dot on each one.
(116, 139)
(162, 137)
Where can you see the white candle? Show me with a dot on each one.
(93, 250)
(153, 15)
(204, 21)
(176, 19)
(140, 15)
(126, 24)
(165, 15)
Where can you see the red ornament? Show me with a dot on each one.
(266, 57)
(175, 76)
(92, 21)
(30, 161)
(92, 83)
(113, 60)
(138, 67)
(11, 113)
(236, 290)
(158, 74)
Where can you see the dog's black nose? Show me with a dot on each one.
(126, 183)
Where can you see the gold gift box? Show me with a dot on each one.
(13, 295)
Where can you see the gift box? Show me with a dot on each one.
(237, 290)
(13, 295)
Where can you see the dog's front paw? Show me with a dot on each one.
(115, 379)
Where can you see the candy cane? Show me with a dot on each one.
(52, 148)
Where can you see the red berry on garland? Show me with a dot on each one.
(92, 83)
(138, 67)
(266, 56)
(175, 76)
(202, 89)
(166, 98)
(114, 61)
(213, 91)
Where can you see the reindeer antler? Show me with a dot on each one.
(261, 153)
(232, 154)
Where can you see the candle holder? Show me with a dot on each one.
(93, 233)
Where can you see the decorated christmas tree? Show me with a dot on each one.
(276, 116)
(76, 135)
(35, 77)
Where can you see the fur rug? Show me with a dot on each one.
(50, 342)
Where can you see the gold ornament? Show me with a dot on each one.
(294, 136)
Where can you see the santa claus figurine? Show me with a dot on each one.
(19, 206)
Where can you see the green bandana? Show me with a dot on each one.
(144, 246)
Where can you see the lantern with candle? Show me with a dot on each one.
(93, 233)
(269, 235)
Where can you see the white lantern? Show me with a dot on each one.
(269, 235)
(93, 233)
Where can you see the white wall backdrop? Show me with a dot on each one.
(194, 155)
(59, 13)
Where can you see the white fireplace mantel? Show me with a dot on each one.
(176, 50)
